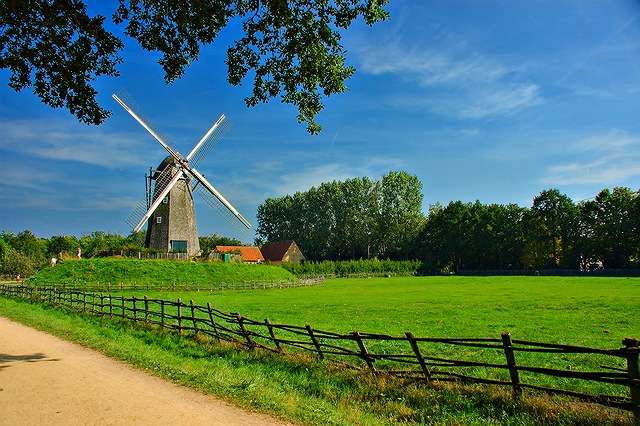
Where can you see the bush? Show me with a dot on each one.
(15, 262)
(355, 267)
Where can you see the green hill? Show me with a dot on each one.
(102, 271)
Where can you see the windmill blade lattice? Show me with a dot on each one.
(211, 141)
(215, 204)
(161, 181)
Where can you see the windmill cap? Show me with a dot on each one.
(168, 161)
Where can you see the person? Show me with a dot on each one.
(18, 279)
(79, 253)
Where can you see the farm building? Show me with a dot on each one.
(247, 254)
(282, 251)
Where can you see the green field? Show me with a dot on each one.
(592, 311)
(587, 311)
(114, 271)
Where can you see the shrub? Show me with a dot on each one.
(15, 262)
(355, 267)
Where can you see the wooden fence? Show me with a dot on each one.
(406, 356)
(156, 286)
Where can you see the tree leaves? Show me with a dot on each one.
(58, 50)
(292, 49)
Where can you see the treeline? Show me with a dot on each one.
(351, 219)
(360, 218)
(554, 233)
(24, 253)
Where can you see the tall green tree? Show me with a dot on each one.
(611, 229)
(553, 227)
(292, 49)
(400, 213)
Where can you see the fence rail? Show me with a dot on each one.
(134, 286)
(412, 357)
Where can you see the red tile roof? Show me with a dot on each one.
(248, 254)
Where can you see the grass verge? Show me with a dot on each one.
(294, 388)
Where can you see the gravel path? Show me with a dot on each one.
(46, 380)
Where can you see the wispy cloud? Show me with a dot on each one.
(71, 142)
(454, 79)
(606, 159)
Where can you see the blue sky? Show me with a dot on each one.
(482, 100)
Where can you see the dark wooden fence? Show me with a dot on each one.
(406, 356)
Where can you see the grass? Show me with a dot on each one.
(294, 388)
(581, 310)
(590, 311)
(141, 272)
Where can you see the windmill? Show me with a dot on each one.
(168, 209)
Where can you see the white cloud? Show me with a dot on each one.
(501, 101)
(109, 203)
(606, 159)
(25, 178)
(428, 66)
(289, 183)
(57, 141)
(455, 81)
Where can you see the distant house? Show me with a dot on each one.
(247, 254)
(282, 251)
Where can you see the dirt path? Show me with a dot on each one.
(45, 380)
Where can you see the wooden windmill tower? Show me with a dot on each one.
(168, 209)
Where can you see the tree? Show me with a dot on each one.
(31, 246)
(611, 228)
(552, 223)
(209, 242)
(292, 48)
(400, 213)
(62, 244)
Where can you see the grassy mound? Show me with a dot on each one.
(157, 272)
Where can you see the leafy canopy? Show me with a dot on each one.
(292, 48)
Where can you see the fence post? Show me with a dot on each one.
(110, 306)
(146, 309)
(193, 317)
(244, 331)
(273, 334)
(364, 353)
(161, 314)
(122, 300)
(511, 363)
(416, 351)
(315, 341)
(84, 302)
(135, 310)
(179, 316)
(633, 370)
(213, 323)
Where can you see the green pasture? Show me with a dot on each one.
(592, 311)
(587, 311)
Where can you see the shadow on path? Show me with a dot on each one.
(37, 357)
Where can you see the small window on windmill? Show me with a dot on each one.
(159, 219)
(179, 246)
(165, 201)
